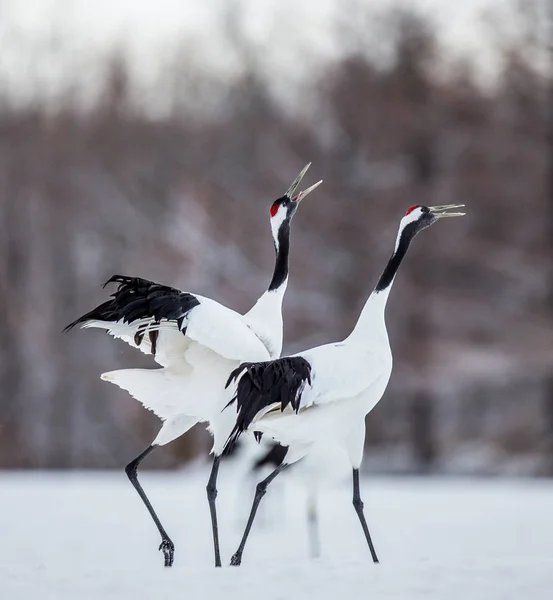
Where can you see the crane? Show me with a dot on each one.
(198, 342)
(323, 394)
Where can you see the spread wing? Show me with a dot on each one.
(163, 321)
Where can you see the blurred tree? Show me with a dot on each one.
(548, 99)
(89, 189)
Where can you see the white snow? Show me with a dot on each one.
(87, 535)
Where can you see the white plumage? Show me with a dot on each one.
(325, 465)
(196, 365)
(198, 342)
(322, 395)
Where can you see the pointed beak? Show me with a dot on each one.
(303, 194)
(290, 191)
(438, 211)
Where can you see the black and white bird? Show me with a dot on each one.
(198, 342)
(323, 394)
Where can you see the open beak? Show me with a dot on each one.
(438, 211)
(303, 194)
(290, 191)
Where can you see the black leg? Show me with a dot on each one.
(211, 496)
(260, 491)
(358, 505)
(166, 546)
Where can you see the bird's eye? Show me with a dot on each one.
(274, 209)
(411, 209)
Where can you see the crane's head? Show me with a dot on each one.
(419, 217)
(416, 219)
(283, 209)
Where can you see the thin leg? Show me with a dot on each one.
(211, 490)
(313, 525)
(260, 491)
(358, 505)
(166, 546)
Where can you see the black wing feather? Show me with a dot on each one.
(136, 299)
(263, 384)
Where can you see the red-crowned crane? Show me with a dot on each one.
(198, 342)
(322, 395)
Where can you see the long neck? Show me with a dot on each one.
(282, 249)
(265, 317)
(371, 320)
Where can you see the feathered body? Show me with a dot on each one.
(322, 395)
(331, 387)
(197, 342)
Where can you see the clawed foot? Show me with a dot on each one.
(168, 549)
(236, 560)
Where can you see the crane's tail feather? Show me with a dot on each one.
(155, 389)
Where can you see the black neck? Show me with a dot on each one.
(282, 247)
(390, 271)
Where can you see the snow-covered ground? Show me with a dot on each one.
(87, 535)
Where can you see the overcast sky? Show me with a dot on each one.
(74, 33)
